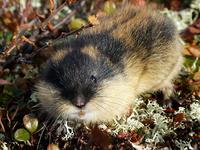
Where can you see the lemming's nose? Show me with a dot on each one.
(80, 101)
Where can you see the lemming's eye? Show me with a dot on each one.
(93, 78)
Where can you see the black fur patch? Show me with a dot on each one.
(72, 75)
(106, 44)
(109, 46)
(147, 36)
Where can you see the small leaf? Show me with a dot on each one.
(192, 51)
(76, 24)
(12, 91)
(22, 135)
(123, 135)
(2, 136)
(135, 137)
(52, 147)
(4, 82)
(9, 36)
(109, 7)
(52, 5)
(100, 137)
(30, 123)
(196, 76)
(93, 20)
(179, 117)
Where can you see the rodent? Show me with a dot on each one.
(99, 74)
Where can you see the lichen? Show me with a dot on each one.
(195, 111)
(184, 17)
(184, 145)
(4, 146)
(66, 129)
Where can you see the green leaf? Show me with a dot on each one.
(12, 91)
(109, 7)
(76, 24)
(192, 63)
(2, 136)
(5, 99)
(9, 36)
(22, 135)
(30, 123)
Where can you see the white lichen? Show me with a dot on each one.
(195, 4)
(184, 17)
(66, 129)
(153, 112)
(180, 110)
(184, 145)
(195, 111)
(125, 124)
(36, 3)
(4, 146)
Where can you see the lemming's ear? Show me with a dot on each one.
(61, 43)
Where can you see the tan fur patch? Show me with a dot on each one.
(112, 100)
(90, 51)
(59, 55)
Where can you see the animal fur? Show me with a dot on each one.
(108, 66)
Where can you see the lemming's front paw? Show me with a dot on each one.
(171, 102)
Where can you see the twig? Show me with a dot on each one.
(1, 123)
(52, 15)
(63, 35)
(7, 116)
(15, 113)
(40, 137)
(28, 41)
(10, 49)
(13, 128)
(65, 19)
(195, 82)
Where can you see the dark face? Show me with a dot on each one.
(77, 76)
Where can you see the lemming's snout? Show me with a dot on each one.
(79, 101)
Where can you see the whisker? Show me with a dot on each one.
(41, 137)
(100, 107)
(57, 118)
(109, 97)
(104, 108)
(114, 102)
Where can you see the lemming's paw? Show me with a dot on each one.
(171, 102)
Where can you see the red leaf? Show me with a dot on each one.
(189, 33)
(123, 135)
(175, 4)
(100, 138)
(179, 117)
(139, 2)
(135, 137)
(4, 82)
(169, 110)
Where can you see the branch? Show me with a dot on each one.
(44, 24)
